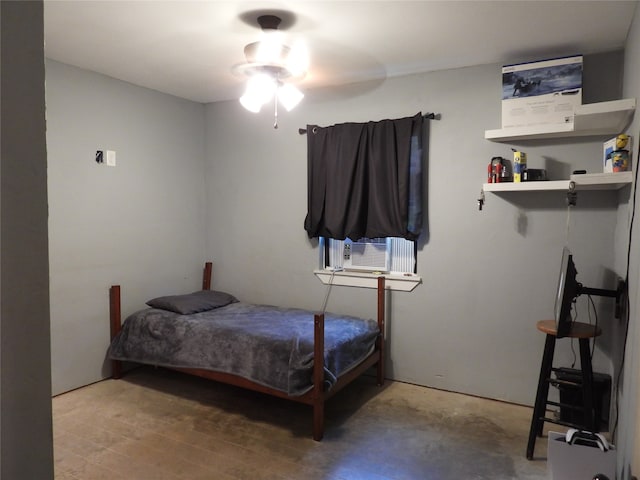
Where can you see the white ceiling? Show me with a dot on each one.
(187, 48)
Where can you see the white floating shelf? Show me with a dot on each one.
(526, 186)
(589, 181)
(602, 181)
(605, 118)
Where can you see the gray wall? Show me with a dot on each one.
(629, 424)
(139, 224)
(217, 182)
(487, 276)
(26, 440)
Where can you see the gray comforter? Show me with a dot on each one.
(271, 346)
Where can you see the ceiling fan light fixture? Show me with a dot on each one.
(297, 60)
(271, 49)
(269, 64)
(260, 89)
(289, 96)
(250, 103)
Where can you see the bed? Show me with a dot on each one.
(289, 353)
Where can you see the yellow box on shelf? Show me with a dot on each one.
(519, 165)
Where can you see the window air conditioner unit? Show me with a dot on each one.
(367, 255)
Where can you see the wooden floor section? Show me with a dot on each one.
(156, 424)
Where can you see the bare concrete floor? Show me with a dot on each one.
(156, 424)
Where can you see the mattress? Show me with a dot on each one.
(268, 345)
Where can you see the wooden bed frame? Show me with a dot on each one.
(317, 396)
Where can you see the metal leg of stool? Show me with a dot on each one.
(549, 349)
(587, 386)
(541, 394)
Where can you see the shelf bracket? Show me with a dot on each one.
(572, 195)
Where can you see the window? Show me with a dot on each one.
(365, 180)
(392, 255)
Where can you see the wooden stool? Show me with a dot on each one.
(583, 332)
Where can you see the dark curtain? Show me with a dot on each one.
(365, 179)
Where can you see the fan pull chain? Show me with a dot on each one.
(275, 108)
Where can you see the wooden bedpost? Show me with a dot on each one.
(116, 323)
(380, 341)
(206, 276)
(318, 376)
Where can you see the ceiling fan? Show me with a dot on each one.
(272, 68)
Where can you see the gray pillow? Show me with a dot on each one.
(195, 302)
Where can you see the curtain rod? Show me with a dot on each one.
(426, 116)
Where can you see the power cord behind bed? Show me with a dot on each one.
(328, 292)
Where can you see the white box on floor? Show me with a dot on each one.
(578, 462)
(541, 93)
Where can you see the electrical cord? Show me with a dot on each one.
(573, 351)
(574, 318)
(571, 203)
(326, 296)
(627, 302)
(566, 238)
(595, 312)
